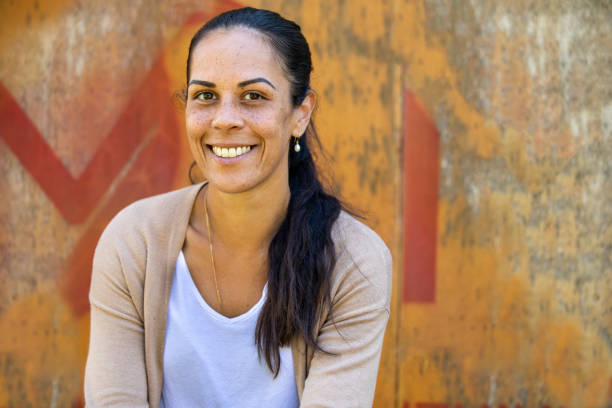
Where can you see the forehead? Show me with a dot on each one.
(235, 54)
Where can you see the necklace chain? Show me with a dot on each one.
(212, 253)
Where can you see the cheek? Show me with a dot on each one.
(273, 124)
(195, 127)
(196, 123)
(257, 119)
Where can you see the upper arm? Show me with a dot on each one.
(353, 332)
(115, 373)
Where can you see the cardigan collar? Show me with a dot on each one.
(157, 290)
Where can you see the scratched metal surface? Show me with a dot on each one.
(475, 136)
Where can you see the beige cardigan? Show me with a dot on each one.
(132, 273)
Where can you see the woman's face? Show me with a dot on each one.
(239, 115)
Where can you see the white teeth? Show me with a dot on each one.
(231, 151)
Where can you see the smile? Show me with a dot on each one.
(230, 151)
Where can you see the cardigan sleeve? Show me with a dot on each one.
(353, 332)
(115, 373)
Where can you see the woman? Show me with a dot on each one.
(254, 288)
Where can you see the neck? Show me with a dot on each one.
(247, 221)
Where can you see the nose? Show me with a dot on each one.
(227, 116)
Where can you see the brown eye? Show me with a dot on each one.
(252, 96)
(205, 96)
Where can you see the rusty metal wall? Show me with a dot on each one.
(475, 135)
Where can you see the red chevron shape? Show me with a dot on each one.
(76, 198)
(152, 172)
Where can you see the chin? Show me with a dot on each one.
(231, 186)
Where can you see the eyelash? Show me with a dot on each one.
(257, 96)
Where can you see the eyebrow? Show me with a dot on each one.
(255, 80)
(240, 84)
(203, 83)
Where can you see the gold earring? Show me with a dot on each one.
(296, 146)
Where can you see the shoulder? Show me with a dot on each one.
(354, 235)
(147, 221)
(141, 234)
(152, 214)
(362, 260)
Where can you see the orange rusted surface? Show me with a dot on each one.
(475, 136)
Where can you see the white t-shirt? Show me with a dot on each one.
(211, 360)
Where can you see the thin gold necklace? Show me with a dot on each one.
(212, 253)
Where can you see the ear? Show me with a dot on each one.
(303, 112)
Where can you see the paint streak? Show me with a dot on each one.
(421, 168)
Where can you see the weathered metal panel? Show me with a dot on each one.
(475, 136)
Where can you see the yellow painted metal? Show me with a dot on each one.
(520, 96)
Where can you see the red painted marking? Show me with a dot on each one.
(150, 110)
(421, 169)
(76, 198)
(432, 405)
(153, 172)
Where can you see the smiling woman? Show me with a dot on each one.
(254, 288)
